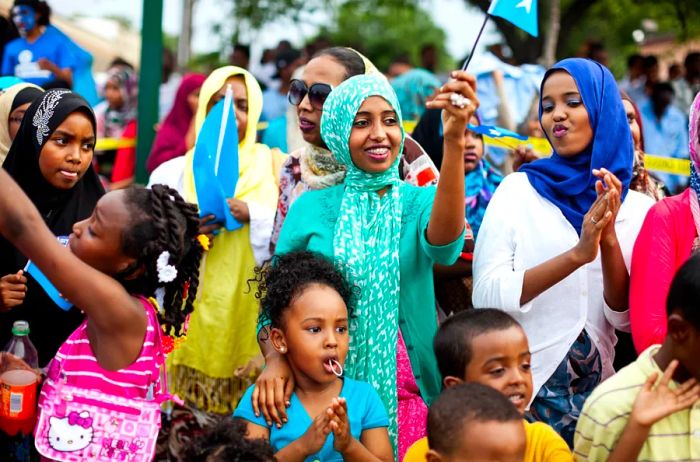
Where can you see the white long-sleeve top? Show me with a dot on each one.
(522, 229)
(172, 173)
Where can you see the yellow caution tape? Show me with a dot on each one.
(667, 165)
(110, 144)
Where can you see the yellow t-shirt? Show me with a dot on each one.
(543, 445)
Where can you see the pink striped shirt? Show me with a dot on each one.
(76, 363)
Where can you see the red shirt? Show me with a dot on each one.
(663, 245)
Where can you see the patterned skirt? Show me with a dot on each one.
(560, 400)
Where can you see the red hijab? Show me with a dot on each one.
(170, 139)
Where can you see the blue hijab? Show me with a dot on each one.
(569, 183)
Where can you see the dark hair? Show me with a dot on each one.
(245, 49)
(460, 405)
(684, 294)
(649, 61)
(163, 221)
(690, 57)
(453, 341)
(226, 442)
(119, 61)
(286, 276)
(662, 87)
(634, 59)
(346, 57)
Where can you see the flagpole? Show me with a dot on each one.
(471, 54)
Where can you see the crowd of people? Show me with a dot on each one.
(385, 295)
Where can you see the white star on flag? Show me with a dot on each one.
(527, 4)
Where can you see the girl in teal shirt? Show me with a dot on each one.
(385, 236)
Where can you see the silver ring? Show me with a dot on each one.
(595, 222)
(459, 101)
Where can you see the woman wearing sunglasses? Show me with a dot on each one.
(313, 166)
(385, 236)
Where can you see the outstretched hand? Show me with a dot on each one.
(656, 403)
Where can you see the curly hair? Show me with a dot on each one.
(285, 277)
(162, 221)
(226, 442)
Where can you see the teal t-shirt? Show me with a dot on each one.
(365, 412)
(310, 225)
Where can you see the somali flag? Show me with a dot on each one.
(215, 162)
(44, 282)
(520, 13)
(495, 132)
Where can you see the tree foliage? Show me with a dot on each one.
(608, 21)
(384, 30)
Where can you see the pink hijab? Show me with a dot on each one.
(693, 131)
(170, 139)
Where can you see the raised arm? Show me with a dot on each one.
(105, 301)
(447, 217)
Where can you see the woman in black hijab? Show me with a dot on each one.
(51, 160)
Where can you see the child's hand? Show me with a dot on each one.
(13, 288)
(315, 436)
(653, 404)
(340, 425)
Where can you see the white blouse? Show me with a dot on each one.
(172, 173)
(522, 229)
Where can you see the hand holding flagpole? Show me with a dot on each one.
(520, 13)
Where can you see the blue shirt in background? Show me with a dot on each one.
(365, 412)
(667, 137)
(274, 104)
(21, 57)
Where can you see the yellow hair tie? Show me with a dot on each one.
(203, 241)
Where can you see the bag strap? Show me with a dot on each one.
(161, 395)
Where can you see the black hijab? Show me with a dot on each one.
(60, 208)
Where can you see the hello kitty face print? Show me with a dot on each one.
(71, 433)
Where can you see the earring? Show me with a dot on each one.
(283, 349)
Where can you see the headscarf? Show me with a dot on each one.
(567, 182)
(13, 97)
(694, 137)
(479, 186)
(366, 241)
(319, 169)
(413, 88)
(111, 122)
(223, 302)
(641, 179)
(170, 140)
(60, 209)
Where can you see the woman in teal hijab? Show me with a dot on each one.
(385, 235)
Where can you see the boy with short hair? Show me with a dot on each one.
(470, 422)
(627, 418)
(489, 347)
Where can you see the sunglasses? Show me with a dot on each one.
(317, 92)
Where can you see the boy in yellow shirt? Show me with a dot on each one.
(489, 347)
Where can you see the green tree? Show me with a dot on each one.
(386, 29)
(608, 21)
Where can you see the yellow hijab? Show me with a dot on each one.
(217, 361)
(254, 159)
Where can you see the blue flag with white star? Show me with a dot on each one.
(215, 162)
(495, 132)
(520, 13)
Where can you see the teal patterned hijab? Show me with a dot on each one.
(366, 242)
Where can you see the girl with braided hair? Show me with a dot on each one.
(136, 244)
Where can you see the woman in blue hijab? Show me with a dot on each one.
(556, 241)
